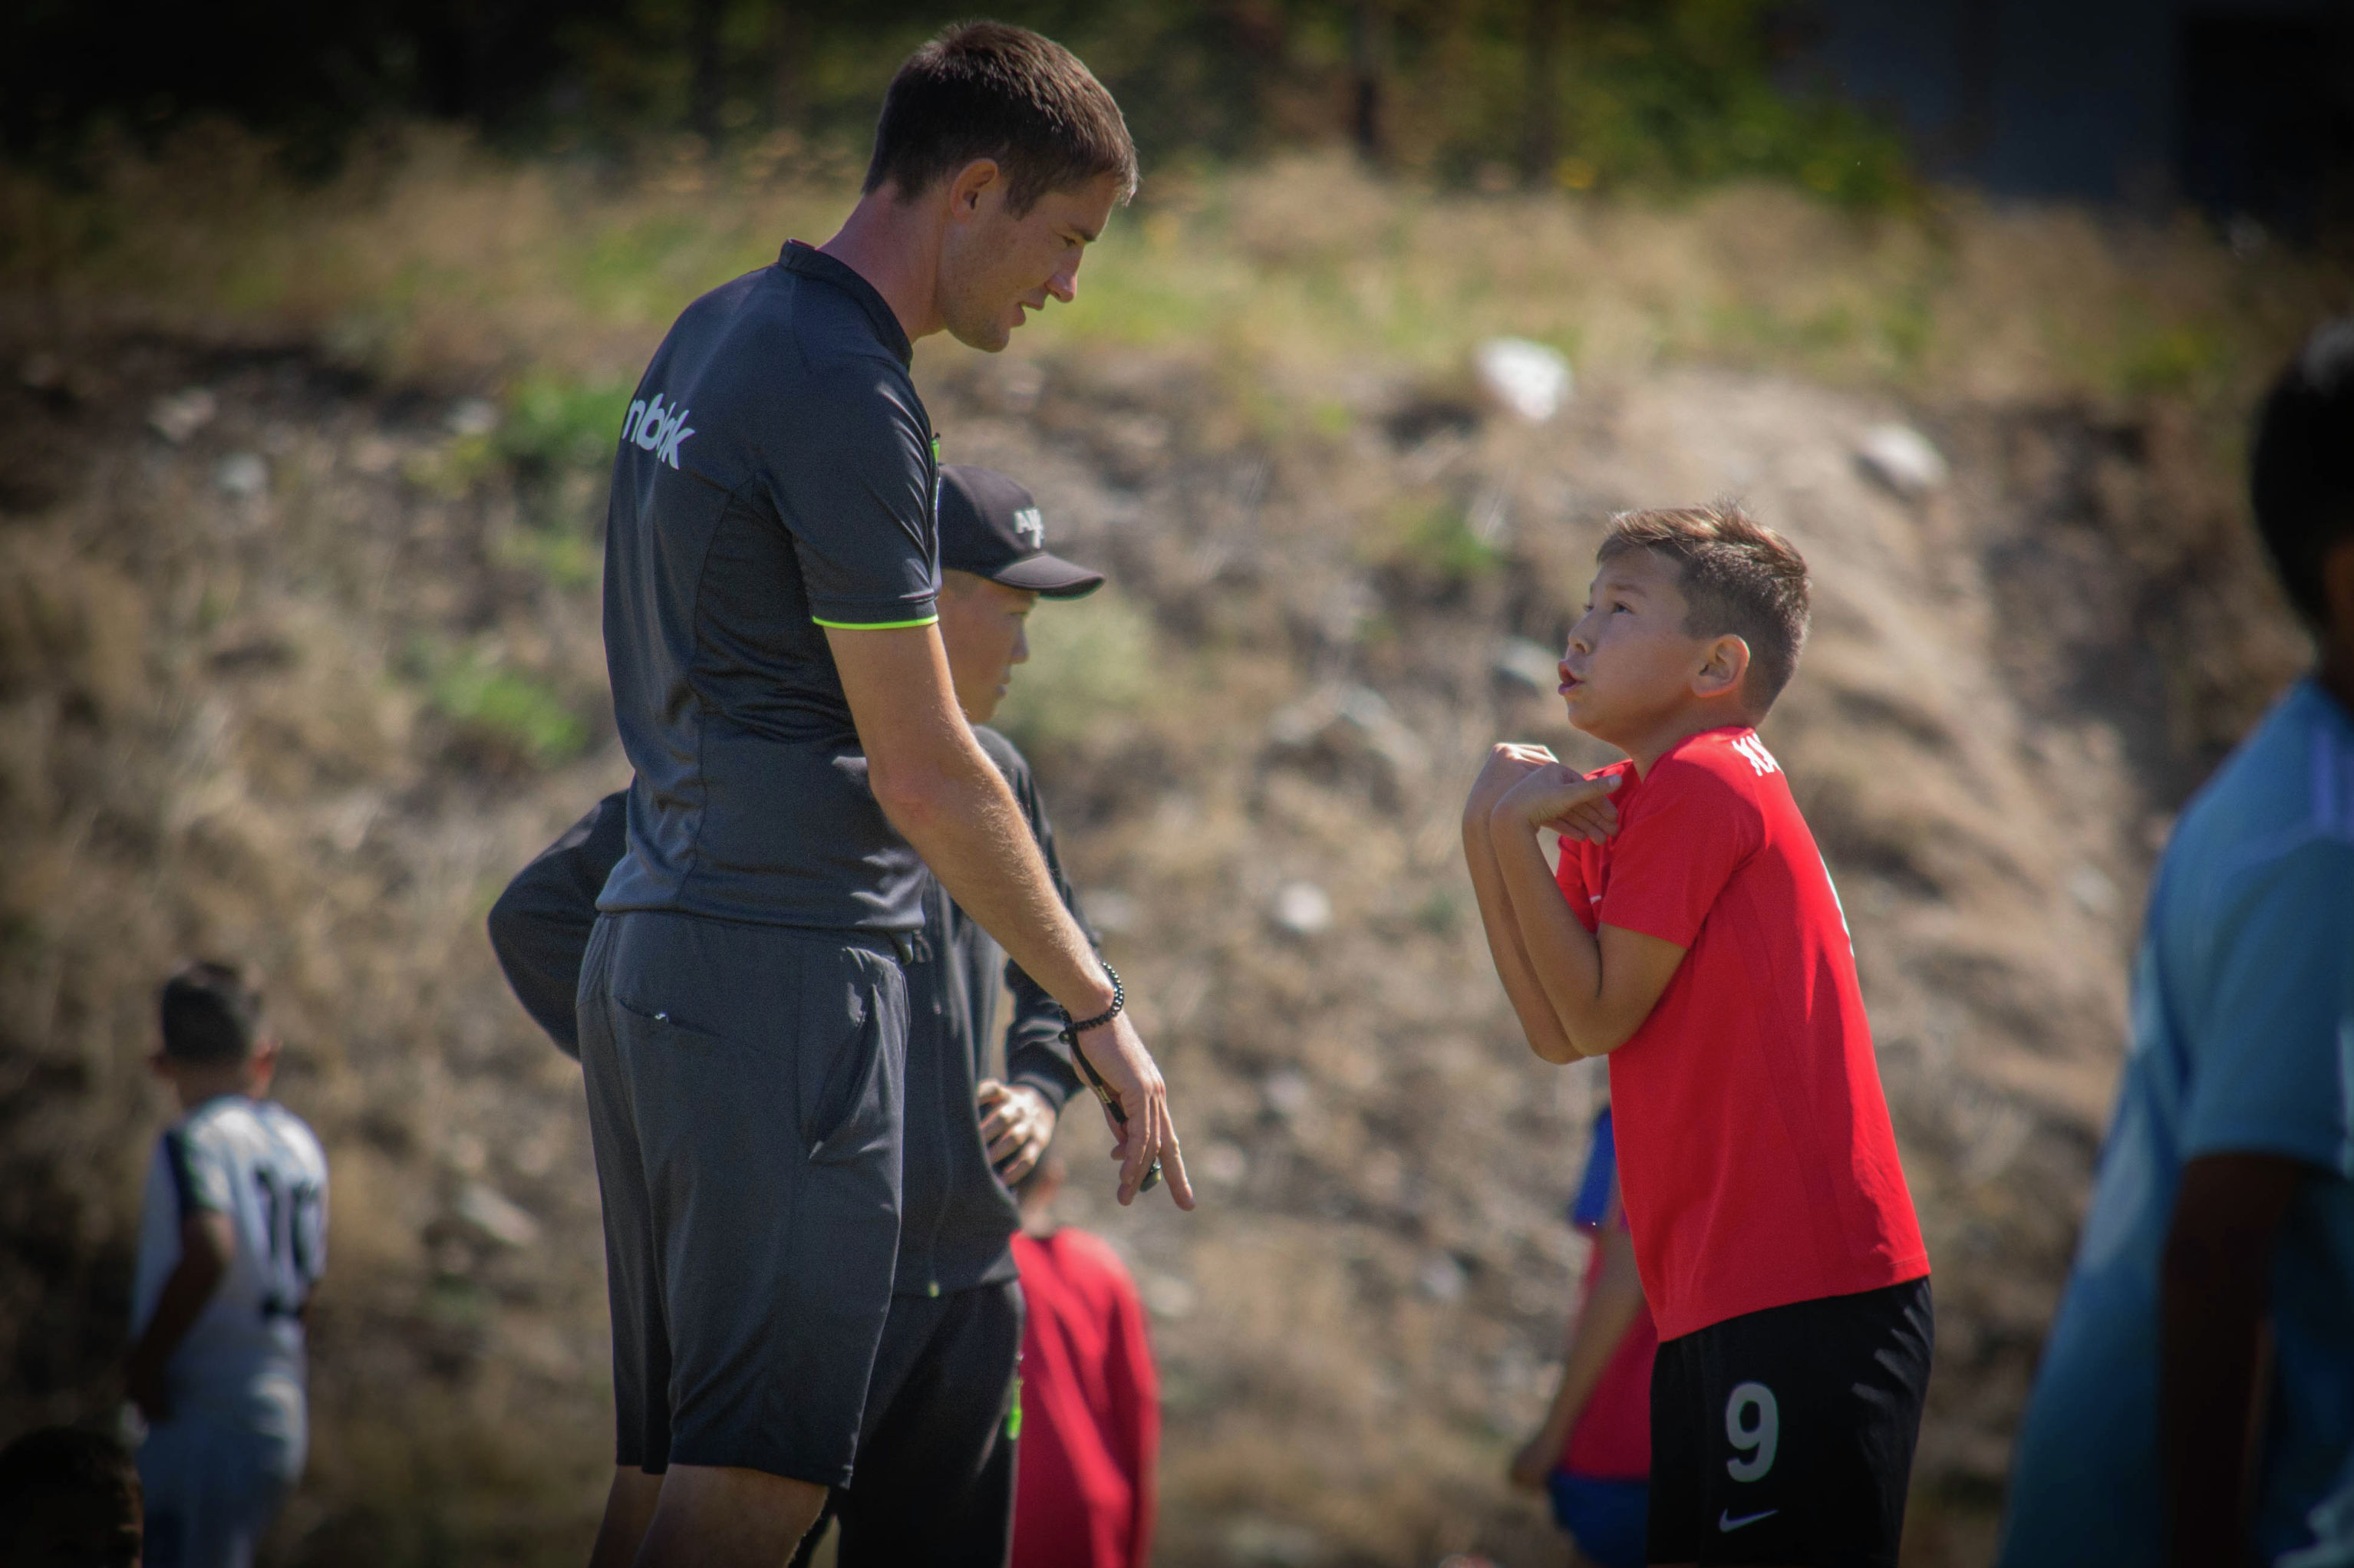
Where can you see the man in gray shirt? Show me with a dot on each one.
(783, 696)
(935, 1462)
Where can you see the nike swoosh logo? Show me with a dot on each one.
(1726, 1523)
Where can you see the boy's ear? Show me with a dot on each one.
(1723, 663)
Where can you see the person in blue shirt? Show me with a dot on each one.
(2195, 1400)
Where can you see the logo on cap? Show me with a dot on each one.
(1031, 527)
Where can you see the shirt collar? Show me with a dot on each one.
(811, 262)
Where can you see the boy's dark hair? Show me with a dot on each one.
(2301, 475)
(58, 1463)
(1738, 577)
(985, 89)
(210, 1014)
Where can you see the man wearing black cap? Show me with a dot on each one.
(934, 1482)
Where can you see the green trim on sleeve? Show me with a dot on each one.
(874, 625)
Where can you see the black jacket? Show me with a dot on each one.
(955, 1217)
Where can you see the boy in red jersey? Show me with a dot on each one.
(1691, 935)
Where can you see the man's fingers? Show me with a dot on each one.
(1172, 1167)
(1136, 1158)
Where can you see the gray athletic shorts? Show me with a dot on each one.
(745, 1086)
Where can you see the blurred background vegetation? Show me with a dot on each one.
(1589, 94)
(316, 327)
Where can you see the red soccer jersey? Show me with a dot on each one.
(1611, 1440)
(1755, 1158)
(1091, 1409)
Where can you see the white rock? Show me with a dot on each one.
(241, 476)
(182, 414)
(1528, 380)
(1286, 1091)
(2092, 890)
(472, 417)
(1442, 1278)
(1222, 1164)
(1110, 911)
(1166, 1296)
(1253, 1541)
(1901, 457)
(496, 1216)
(1303, 908)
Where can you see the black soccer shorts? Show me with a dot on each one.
(1787, 1435)
(745, 1090)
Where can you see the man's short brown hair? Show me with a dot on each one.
(985, 89)
(1738, 577)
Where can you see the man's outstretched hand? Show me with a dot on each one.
(1116, 1052)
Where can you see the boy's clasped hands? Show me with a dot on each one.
(1530, 787)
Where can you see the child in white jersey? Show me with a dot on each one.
(232, 1242)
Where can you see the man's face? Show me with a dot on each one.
(995, 266)
(983, 625)
(1630, 663)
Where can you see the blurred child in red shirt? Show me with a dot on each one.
(1593, 1454)
(1089, 1410)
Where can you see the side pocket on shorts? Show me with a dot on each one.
(846, 1105)
(647, 1024)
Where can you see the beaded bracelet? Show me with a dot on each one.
(1071, 1031)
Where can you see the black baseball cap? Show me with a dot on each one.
(990, 526)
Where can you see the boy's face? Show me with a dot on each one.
(984, 624)
(1630, 664)
(995, 266)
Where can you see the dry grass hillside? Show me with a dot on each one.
(299, 658)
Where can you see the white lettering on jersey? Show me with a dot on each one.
(1754, 751)
(656, 430)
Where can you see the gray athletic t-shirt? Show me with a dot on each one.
(776, 476)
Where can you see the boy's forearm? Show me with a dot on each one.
(1562, 956)
(206, 1240)
(2215, 1303)
(1594, 1337)
(1501, 926)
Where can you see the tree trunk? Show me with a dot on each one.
(1369, 59)
(1541, 121)
(709, 85)
(787, 45)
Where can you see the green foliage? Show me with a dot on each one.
(1662, 97)
(510, 710)
(1436, 542)
(1090, 660)
(553, 423)
(2174, 360)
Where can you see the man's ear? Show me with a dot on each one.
(967, 186)
(1722, 665)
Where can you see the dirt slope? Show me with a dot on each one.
(312, 711)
